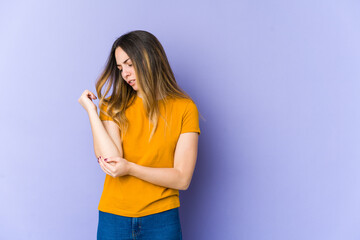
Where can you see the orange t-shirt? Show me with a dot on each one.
(133, 197)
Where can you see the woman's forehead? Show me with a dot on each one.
(120, 55)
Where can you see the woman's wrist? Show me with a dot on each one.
(92, 111)
(130, 167)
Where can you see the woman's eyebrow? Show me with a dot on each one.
(123, 62)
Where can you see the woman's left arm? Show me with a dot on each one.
(178, 177)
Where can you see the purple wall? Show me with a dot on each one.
(277, 82)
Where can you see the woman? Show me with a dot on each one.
(145, 138)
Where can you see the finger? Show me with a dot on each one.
(109, 160)
(106, 165)
(89, 95)
(104, 168)
(92, 95)
(85, 94)
(110, 166)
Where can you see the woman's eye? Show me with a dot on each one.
(130, 65)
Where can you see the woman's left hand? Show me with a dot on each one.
(114, 166)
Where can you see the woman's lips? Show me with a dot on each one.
(132, 82)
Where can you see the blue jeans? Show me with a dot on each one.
(164, 225)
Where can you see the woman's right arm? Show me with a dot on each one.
(114, 132)
(106, 135)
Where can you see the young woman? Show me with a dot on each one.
(145, 138)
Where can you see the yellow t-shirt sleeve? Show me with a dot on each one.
(102, 115)
(190, 119)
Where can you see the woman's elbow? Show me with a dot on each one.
(185, 183)
(183, 188)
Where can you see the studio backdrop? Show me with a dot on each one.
(278, 86)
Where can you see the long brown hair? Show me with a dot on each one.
(153, 73)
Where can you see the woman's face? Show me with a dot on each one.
(126, 68)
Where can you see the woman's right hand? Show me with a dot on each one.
(86, 100)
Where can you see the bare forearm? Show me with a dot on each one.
(103, 144)
(165, 177)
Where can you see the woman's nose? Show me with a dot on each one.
(126, 73)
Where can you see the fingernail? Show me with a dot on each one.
(105, 159)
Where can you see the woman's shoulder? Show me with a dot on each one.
(179, 101)
(181, 105)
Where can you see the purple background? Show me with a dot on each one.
(277, 82)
